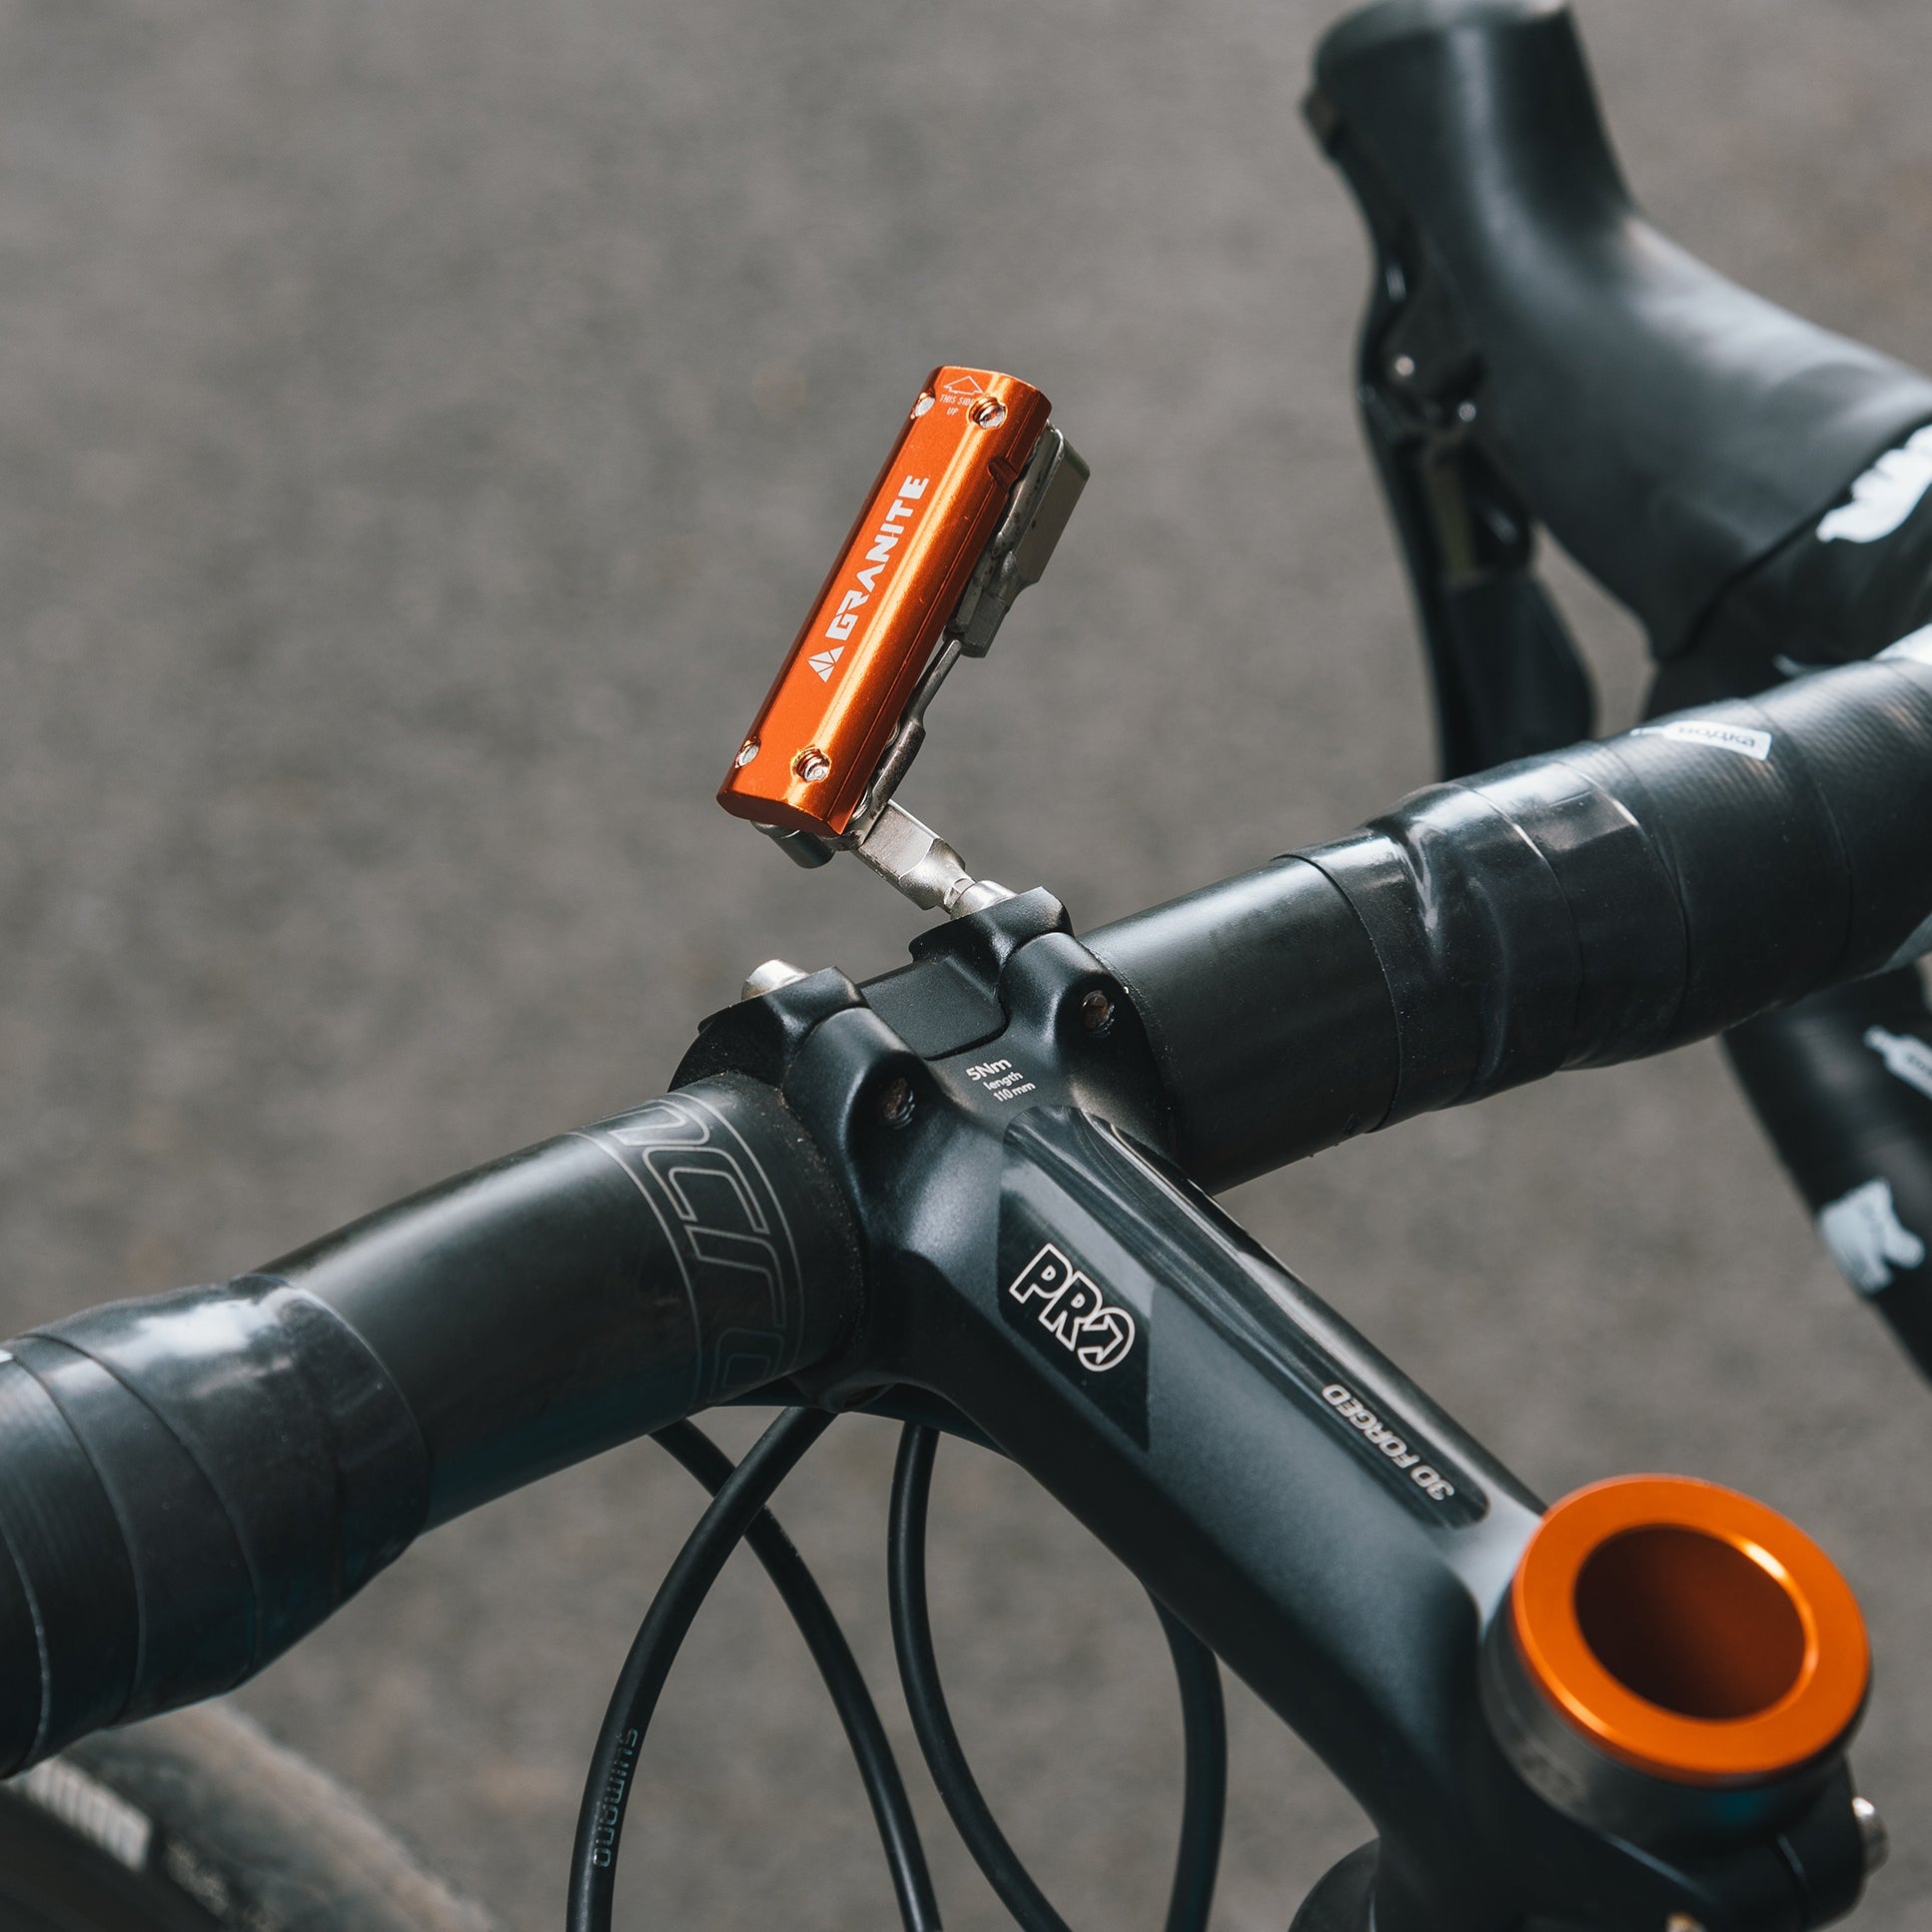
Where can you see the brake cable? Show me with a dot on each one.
(1204, 1721)
(738, 1512)
(607, 1790)
(818, 1624)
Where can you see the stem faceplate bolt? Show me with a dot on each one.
(896, 1101)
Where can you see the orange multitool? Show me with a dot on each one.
(962, 519)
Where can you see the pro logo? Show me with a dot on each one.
(1073, 1310)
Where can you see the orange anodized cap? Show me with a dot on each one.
(1689, 1632)
(823, 727)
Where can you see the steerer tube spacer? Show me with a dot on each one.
(1688, 1632)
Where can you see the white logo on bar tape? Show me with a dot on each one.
(1724, 737)
(1904, 1055)
(1867, 1238)
(1884, 496)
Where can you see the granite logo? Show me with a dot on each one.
(1074, 1311)
(897, 520)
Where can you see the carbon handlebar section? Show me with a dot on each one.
(190, 1483)
(1612, 901)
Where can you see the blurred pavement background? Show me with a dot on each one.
(421, 425)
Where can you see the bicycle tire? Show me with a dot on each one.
(196, 1821)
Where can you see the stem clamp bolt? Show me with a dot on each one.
(1096, 1011)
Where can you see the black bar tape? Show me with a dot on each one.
(1612, 901)
(1467, 894)
(189, 1485)
(186, 1550)
(71, 1573)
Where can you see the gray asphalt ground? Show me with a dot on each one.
(422, 425)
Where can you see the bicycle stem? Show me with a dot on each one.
(1279, 1485)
